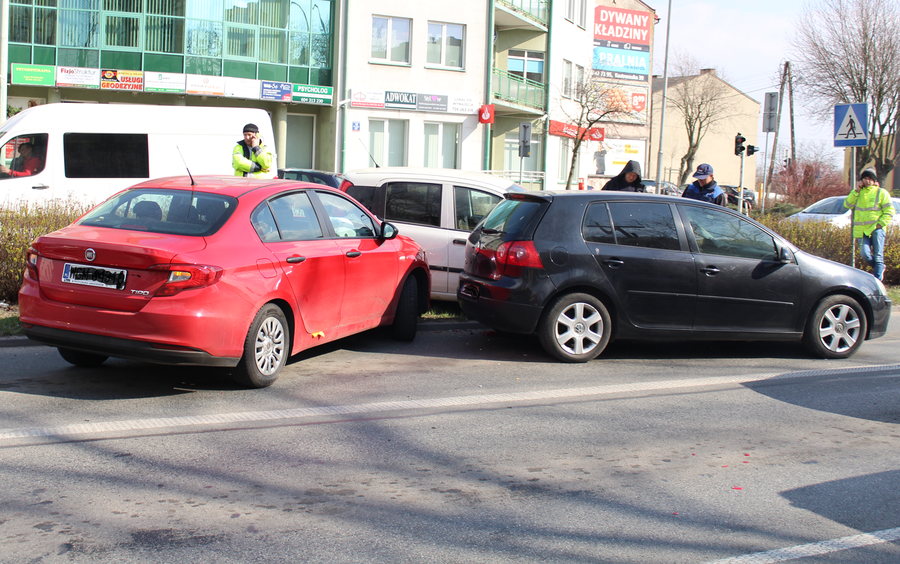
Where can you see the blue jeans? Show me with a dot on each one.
(871, 247)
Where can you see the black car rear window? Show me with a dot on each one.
(512, 216)
(174, 212)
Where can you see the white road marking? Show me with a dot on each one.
(814, 549)
(80, 430)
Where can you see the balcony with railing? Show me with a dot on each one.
(515, 90)
(532, 11)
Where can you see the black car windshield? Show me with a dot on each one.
(174, 212)
(511, 216)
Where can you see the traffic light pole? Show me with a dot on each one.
(741, 190)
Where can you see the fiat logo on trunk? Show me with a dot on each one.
(90, 254)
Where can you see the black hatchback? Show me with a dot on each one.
(581, 268)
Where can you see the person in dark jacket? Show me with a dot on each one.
(629, 180)
(705, 187)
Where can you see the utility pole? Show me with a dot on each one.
(790, 76)
(662, 114)
(778, 119)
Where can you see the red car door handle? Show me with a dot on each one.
(294, 260)
(354, 254)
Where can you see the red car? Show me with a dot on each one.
(220, 271)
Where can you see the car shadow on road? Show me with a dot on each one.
(874, 391)
(865, 503)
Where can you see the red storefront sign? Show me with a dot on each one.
(486, 114)
(568, 130)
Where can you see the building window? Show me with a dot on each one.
(390, 39)
(511, 158)
(582, 14)
(446, 44)
(241, 42)
(570, 10)
(442, 145)
(527, 64)
(564, 162)
(579, 81)
(387, 142)
(122, 32)
(567, 79)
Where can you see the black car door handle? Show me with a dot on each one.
(294, 260)
(460, 242)
(613, 262)
(709, 270)
(354, 254)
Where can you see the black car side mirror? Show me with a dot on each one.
(784, 255)
(388, 231)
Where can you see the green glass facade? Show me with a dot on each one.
(284, 40)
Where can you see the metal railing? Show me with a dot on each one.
(514, 88)
(532, 9)
(532, 180)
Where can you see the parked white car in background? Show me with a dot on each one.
(437, 207)
(832, 210)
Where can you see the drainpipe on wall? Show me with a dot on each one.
(546, 118)
(488, 89)
(4, 55)
(342, 88)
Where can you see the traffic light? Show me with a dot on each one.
(739, 144)
(751, 149)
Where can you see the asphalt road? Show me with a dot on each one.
(463, 446)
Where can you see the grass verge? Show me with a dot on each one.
(9, 327)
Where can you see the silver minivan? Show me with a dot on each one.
(437, 207)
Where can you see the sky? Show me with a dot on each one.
(747, 43)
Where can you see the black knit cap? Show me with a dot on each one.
(868, 173)
(251, 128)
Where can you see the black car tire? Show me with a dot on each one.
(80, 358)
(406, 318)
(266, 349)
(575, 328)
(836, 328)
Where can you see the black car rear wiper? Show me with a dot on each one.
(490, 231)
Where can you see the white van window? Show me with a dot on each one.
(106, 155)
(24, 155)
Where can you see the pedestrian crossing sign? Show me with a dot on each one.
(851, 125)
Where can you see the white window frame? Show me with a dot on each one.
(582, 14)
(526, 57)
(567, 79)
(579, 81)
(562, 172)
(444, 40)
(570, 10)
(439, 160)
(389, 130)
(390, 28)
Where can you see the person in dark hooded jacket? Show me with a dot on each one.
(629, 180)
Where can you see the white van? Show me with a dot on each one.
(87, 152)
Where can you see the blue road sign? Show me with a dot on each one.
(851, 125)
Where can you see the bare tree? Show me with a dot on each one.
(810, 178)
(592, 102)
(850, 53)
(702, 99)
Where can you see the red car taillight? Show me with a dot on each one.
(344, 185)
(186, 277)
(513, 256)
(31, 258)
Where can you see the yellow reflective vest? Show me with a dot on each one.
(255, 162)
(872, 207)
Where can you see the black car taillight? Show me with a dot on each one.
(513, 256)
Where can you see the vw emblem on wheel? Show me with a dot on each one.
(90, 255)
